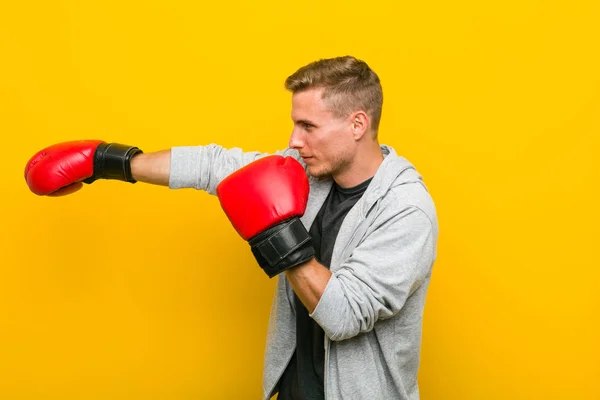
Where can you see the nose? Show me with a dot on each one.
(296, 139)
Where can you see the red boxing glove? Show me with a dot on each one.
(264, 201)
(62, 165)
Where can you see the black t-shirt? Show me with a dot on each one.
(303, 377)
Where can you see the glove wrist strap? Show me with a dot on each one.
(283, 246)
(113, 161)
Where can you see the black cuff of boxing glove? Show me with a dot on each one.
(113, 161)
(282, 247)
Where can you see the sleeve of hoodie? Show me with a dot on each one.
(204, 167)
(384, 269)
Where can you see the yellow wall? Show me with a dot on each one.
(136, 292)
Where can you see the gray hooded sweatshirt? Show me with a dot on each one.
(372, 307)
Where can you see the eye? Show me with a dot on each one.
(307, 126)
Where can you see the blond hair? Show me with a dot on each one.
(348, 85)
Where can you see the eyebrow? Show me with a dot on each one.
(304, 121)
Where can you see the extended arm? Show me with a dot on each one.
(153, 168)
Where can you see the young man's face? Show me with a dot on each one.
(325, 142)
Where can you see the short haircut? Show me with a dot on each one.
(348, 85)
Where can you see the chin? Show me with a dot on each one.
(318, 173)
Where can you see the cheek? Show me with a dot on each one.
(337, 147)
(321, 149)
(328, 146)
(322, 144)
(314, 144)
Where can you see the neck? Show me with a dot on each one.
(361, 168)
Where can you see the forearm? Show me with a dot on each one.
(309, 281)
(153, 168)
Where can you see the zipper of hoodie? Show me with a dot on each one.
(326, 366)
(276, 381)
(279, 376)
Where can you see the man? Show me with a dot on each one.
(346, 317)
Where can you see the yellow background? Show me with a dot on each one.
(126, 291)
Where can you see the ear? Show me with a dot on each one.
(360, 124)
